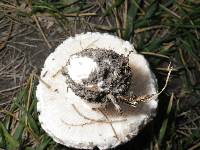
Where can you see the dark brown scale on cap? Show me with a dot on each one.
(113, 70)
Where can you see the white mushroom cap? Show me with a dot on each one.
(62, 114)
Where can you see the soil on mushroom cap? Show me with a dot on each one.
(114, 74)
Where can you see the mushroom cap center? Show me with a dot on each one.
(81, 67)
(94, 73)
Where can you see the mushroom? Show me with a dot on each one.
(95, 91)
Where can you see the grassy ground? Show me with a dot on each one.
(162, 30)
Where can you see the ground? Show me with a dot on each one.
(164, 31)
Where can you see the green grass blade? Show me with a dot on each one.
(68, 2)
(18, 134)
(165, 122)
(116, 4)
(33, 124)
(169, 11)
(12, 143)
(2, 139)
(29, 148)
(152, 9)
(44, 143)
(132, 13)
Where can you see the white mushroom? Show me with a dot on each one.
(63, 114)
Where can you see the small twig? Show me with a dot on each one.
(59, 71)
(170, 11)
(102, 27)
(167, 70)
(95, 120)
(195, 146)
(46, 84)
(11, 89)
(148, 28)
(190, 121)
(183, 133)
(92, 122)
(133, 101)
(155, 54)
(91, 43)
(44, 36)
(17, 20)
(24, 44)
(80, 14)
(167, 79)
(2, 45)
(114, 131)
(82, 124)
(170, 68)
(85, 117)
(7, 6)
(8, 113)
